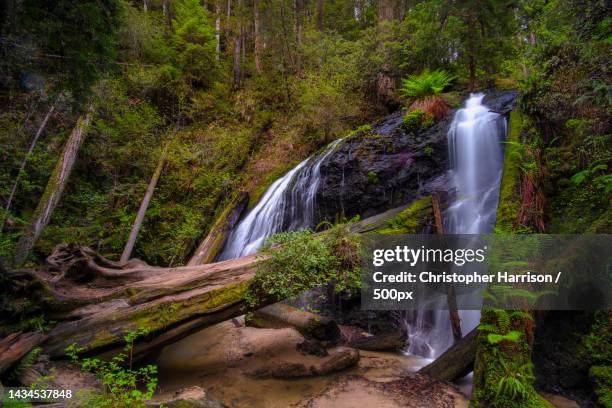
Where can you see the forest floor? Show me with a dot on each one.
(225, 358)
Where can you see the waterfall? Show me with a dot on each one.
(476, 158)
(287, 205)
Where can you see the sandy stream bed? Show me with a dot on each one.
(222, 359)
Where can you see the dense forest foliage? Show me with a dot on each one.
(241, 90)
(222, 96)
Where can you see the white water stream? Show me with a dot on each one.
(476, 156)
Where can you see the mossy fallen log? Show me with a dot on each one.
(96, 301)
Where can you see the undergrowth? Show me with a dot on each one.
(300, 260)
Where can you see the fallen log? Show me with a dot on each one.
(280, 315)
(16, 345)
(456, 362)
(96, 301)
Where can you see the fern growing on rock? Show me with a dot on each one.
(424, 89)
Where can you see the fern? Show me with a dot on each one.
(503, 320)
(26, 362)
(487, 327)
(425, 84)
(514, 384)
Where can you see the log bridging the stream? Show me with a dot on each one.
(96, 301)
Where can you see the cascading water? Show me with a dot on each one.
(475, 149)
(287, 205)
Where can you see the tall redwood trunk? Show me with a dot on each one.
(39, 132)
(385, 10)
(385, 81)
(54, 189)
(218, 30)
(237, 45)
(257, 36)
(129, 246)
(471, 20)
(320, 15)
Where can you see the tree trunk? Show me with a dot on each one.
(237, 44)
(385, 10)
(320, 24)
(387, 341)
(39, 132)
(55, 187)
(213, 243)
(129, 246)
(218, 30)
(456, 362)
(385, 81)
(471, 43)
(451, 296)
(16, 345)
(257, 36)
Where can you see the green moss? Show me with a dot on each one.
(417, 119)
(372, 177)
(411, 219)
(360, 130)
(101, 339)
(227, 295)
(602, 379)
(508, 208)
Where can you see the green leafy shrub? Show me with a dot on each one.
(122, 382)
(417, 119)
(299, 261)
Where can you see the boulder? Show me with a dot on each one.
(392, 340)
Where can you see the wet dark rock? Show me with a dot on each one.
(559, 358)
(501, 102)
(312, 347)
(372, 172)
(391, 340)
